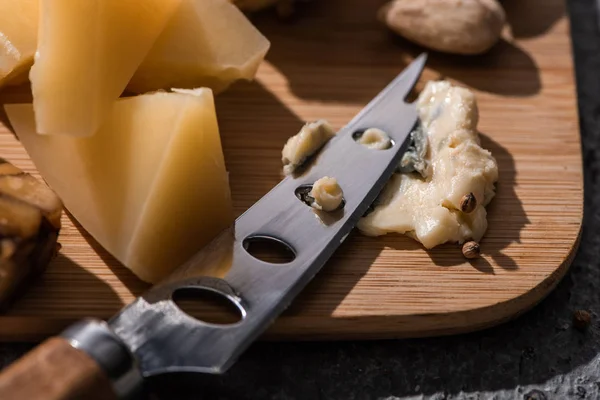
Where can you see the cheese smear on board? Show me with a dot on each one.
(429, 208)
(150, 186)
(18, 39)
(207, 43)
(87, 53)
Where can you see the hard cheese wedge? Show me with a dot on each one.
(87, 52)
(18, 39)
(207, 43)
(150, 186)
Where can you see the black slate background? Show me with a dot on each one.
(538, 356)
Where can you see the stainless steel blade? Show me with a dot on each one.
(165, 339)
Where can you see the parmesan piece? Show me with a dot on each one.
(428, 209)
(207, 43)
(150, 186)
(18, 39)
(87, 53)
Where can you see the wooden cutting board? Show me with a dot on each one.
(328, 64)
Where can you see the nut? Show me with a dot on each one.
(581, 319)
(468, 203)
(471, 250)
(452, 26)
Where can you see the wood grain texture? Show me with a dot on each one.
(55, 371)
(328, 64)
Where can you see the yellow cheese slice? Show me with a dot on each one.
(87, 52)
(207, 43)
(150, 186)
(18, 39)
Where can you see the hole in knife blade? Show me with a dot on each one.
(269, 249)
(208, 306)
(413, 95)
(302, 192)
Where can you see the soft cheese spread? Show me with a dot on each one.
(447, 164)
(308, 141)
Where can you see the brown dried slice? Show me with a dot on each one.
(33, 192)
(18, 219)
(29, 224)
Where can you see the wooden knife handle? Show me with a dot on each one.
(55, 370)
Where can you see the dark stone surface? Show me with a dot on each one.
(538, 356)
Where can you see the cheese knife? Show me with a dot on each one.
(94, 359)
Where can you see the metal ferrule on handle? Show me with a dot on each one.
(96, 339)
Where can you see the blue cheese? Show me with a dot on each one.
(426, 204)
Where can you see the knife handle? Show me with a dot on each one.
(55, 370)
(86, 362)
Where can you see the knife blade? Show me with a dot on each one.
(153, 335)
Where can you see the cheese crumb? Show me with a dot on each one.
(375, 139)
(327, 194)
(308, 141)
